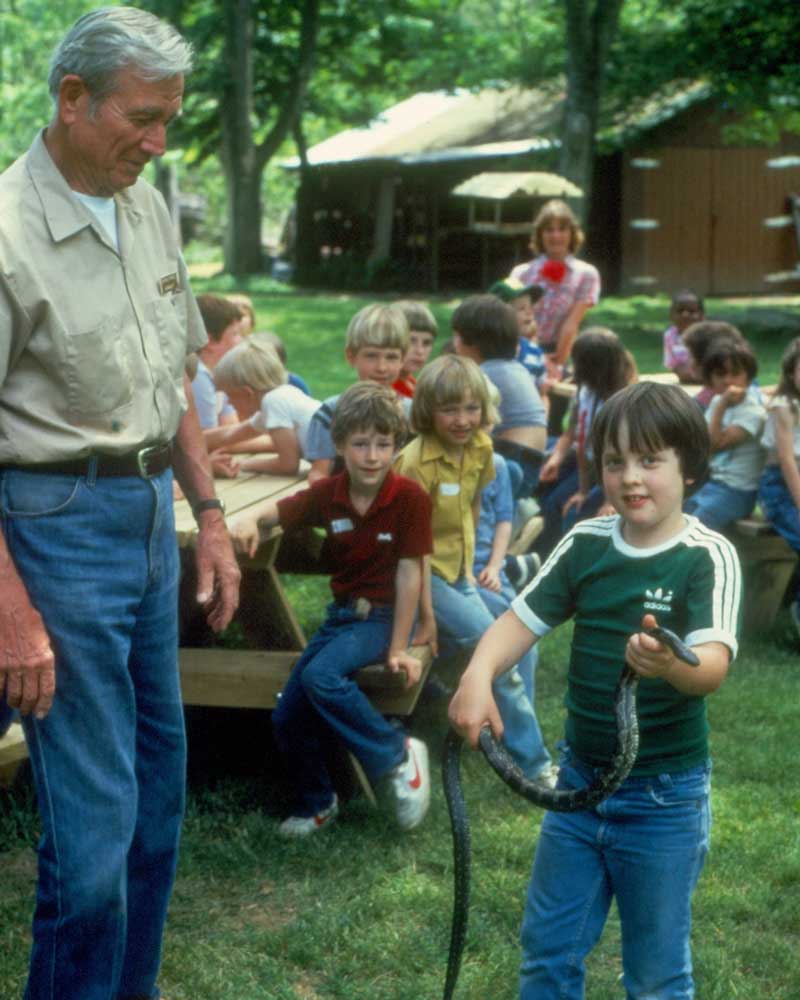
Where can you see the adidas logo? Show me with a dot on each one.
(658, 599)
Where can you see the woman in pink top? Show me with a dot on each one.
(571, 286)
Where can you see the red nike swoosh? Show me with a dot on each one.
(416, 781)
(321, 820)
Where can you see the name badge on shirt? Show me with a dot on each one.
(341, 524)
(450, 489)
(384, 536)
(169, 284)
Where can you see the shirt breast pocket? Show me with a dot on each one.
(98, 371)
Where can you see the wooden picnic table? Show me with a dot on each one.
(264, 614)
(569, 389)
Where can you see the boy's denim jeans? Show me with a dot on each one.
(462, 618)
(99, 560)
(717, 505)
(321, 700)
(644, 846)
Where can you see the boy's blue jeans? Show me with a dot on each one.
(718, 505)
(644, 846)
(321, 700)
(462, 618)
(99, 560)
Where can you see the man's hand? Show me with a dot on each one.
(217, 571)
(27, 664)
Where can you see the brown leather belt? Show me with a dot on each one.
(144, 462)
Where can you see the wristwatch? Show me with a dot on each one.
(213, 503)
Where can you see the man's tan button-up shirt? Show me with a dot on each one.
(92, 341)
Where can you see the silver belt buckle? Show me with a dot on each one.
(142, 457)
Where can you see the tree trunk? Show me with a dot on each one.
(591, 26)
(242, 173)
(242, 160)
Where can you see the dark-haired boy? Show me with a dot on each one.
(378, 531)
(617, 577)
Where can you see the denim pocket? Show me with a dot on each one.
(674, 789)
(33, 494)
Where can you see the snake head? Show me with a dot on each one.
(675, 643)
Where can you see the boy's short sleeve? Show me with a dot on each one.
(415, 534)
(548, 600)
(301, 509)
(319, 443)
(275, 413)
(205, 399)
(715, 595)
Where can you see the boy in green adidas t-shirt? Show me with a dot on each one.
(649, 564)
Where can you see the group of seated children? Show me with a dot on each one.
(473, 459)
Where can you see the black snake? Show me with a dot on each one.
(559, 800)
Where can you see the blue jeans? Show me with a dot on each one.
(645, 845)
(780, 509)
(322, 701)
(718, 505)
(99, 560)
(462, 618)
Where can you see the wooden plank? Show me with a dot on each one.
(768, 565)
(248, 678)
(13, 750)
(238, 494)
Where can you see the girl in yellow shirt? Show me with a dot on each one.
(451, 458)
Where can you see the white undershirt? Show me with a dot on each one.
(105, 211)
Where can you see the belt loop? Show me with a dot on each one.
(91, 471)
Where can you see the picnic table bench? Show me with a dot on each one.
(768, 564)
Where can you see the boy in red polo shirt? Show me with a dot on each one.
(378, 529)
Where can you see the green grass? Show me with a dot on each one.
(361, 912)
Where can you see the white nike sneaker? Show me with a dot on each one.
(410, 785)
(303, 826)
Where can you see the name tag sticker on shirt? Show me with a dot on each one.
(169, 284)
(384, 536)
(341, 524)
(450, 489)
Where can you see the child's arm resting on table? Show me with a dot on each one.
(285, 462)
(408, 586)
(244, 529)
(473, 705)
(650, 658)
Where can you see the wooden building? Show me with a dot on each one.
(673, 205)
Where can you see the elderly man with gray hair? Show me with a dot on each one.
(96, 320)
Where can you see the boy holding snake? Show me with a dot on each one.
(616, 576)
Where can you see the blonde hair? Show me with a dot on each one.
(378, 325)
(448, 379)
(556, 210)
(253, 364)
